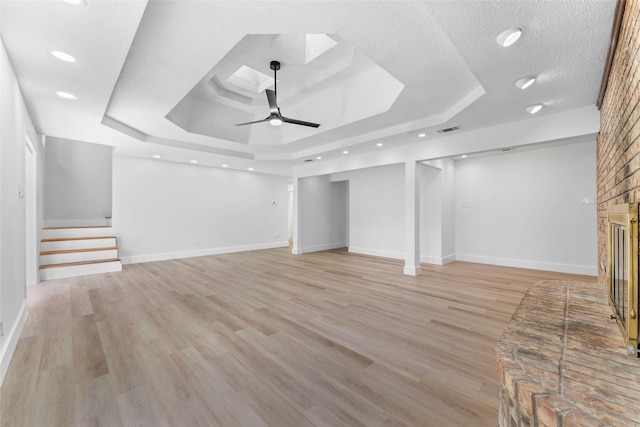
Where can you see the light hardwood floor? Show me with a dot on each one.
(265, 338)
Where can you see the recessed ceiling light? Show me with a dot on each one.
(525, 82)
(318, 158)
(509, 37)
(422, 135)
(250, 169)
(225, 166)
(193, 161)
(345, 152)
(464, 156)
(66, 95)
(72, 1)
(157, 156)
(532, 109)
(62, 56)
(379, 144)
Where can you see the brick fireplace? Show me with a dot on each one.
(561, 360)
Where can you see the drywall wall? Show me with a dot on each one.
(525, 209)
(323, 211)
(15, 125)
(376, 210)
(164, 210)
(79, 182)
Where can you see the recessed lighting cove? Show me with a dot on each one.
(525, 82)
(509, 37)
(66, 95)
(532, 109)
(62, 56)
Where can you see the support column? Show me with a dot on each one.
(295, 211)
(411, 219)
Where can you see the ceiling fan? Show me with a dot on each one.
(275, 117)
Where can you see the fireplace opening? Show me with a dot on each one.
(622, 271)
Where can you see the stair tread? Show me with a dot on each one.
(61, 239)
(71, 264)
(76, 226)
(73, 251)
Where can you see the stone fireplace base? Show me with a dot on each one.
(562, 361)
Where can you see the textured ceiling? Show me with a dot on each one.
(157, 76)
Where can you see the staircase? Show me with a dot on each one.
(77, 251)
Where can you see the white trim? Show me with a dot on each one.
(437, 260)
(11, 342)
(534, 265)
(323, 247)
(377, 252)
(203, 252)
(412, 270)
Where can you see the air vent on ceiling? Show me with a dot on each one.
(451, 129)
(308, 160)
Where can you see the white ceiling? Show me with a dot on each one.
(153, 77)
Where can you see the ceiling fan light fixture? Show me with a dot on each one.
(509, 36)
(532, 109)
(275, 121)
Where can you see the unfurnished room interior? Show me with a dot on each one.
(319, 213)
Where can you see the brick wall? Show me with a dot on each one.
(618, 144)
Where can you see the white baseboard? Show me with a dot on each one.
(376, 252)
(437, 260)
(10, 341)
(533, 265)
(323, 247)
(134, 259)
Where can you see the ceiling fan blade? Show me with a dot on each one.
(273, 103)
(257, 121)
(299, 122)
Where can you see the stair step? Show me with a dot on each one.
(73, 255)
(70, 251)
(70, 264)
(76, 232)
(78, 226)
(77, 243)
(80, 268)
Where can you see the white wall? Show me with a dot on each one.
(15, 124)
(524, 209)
(323, 207)
(376, 210)
(164, 210)
(79, 182)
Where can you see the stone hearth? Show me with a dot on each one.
(562, 361)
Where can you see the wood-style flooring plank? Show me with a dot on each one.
(265, 338)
